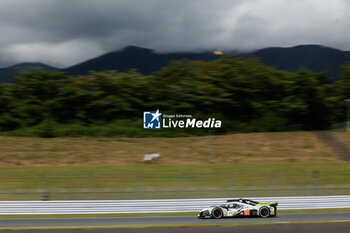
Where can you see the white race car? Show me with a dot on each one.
(240, 207)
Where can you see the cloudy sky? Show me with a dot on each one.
(65, 32)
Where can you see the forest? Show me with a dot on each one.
(244, 94)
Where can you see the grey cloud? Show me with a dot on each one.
(64, 32)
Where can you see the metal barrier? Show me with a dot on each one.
(158, 206)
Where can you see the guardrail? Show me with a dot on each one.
(158, 206)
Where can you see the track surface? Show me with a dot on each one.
(282, 218)
(293, 228)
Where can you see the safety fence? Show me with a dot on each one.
(158, 206)
(172, 192)
(152, 183)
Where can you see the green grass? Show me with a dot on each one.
(139, 226)
(170, 180)
(177, 176)
(336, 210)
(113, 168)
(224, 149)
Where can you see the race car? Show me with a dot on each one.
(240, 207)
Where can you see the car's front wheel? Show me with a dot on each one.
(264, 212)
(217, 213)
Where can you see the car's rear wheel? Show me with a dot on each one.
(217, 213)
(264, 212)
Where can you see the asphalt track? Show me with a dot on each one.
(170, 220)
(292, 228)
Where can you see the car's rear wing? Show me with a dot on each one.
(274, 204)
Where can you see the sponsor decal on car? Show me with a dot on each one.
(246, 212)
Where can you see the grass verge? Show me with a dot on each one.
(36, 216)
(169, 181)
(166, 225)
(232, 148)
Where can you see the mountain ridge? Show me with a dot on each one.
(144, 60)
(7, 73)
(317, 58)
